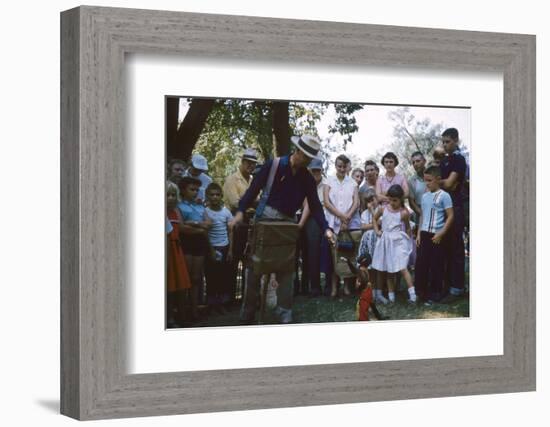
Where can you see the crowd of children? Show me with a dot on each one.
(400, 226)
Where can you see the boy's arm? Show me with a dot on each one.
(449, 212)
(451, 182)
(206, 221)
(191, 227)
(458, 170)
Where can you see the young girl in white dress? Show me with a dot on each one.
(394, 246)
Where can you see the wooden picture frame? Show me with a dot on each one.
(94, 41)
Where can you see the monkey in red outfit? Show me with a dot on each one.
(364, 285)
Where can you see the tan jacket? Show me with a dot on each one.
(234, 188)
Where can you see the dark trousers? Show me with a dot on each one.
(218, 281)
(456, 264)
(430, 267)
(311, 256)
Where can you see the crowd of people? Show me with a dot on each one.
(402, 226)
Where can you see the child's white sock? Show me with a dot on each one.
(391, 296)
(379, 296)
(412, 294)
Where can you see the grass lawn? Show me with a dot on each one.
(323, 309)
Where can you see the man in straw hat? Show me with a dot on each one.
(291, 183)
(237, 183)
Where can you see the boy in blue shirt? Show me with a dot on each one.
(435, 223)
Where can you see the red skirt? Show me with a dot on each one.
(177, 275)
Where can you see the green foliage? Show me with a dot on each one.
(304, 117)
(410, 135)
(235, 124)
(345, 124)
(232, 126)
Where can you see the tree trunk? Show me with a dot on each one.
(190, 129)
(281, 128)
(172, 113)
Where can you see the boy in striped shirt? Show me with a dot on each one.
(435, 222)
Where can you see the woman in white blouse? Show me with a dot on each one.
(341, 200)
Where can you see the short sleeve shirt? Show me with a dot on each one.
(341, 196)
(191, 211)
(455, 163)
(366, 187)
(234, 188)
(366, 217)
(417, 188)
(433, 210)
(217, 233)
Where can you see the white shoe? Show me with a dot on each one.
(412, 299)
(285, 314)
(382, 300)
(271, 296)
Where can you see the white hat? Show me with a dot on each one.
(250, 154)
(308, 144)
(199, 162)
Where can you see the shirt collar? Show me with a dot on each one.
(241, 176)
(346, 179)
(285, 160)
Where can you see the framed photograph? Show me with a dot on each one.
(151, 96)
(234, 142)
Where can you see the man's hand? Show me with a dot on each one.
(237, 219)
(330, 237)
(418, 240)
(436, 239)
